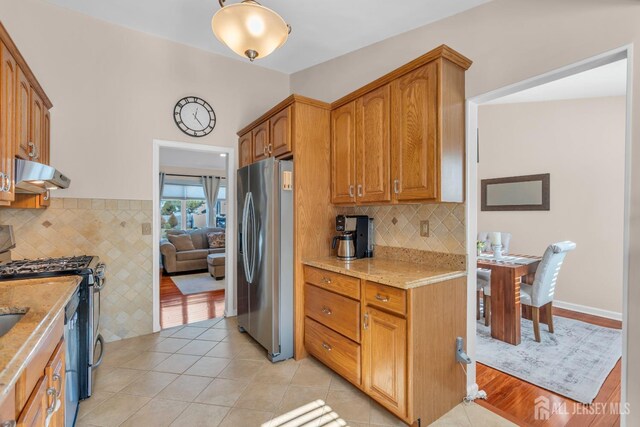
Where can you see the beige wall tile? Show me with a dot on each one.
(95, 227)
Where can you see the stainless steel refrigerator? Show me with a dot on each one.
(265, 255)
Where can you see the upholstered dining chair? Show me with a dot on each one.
(484, 276)
(540, 293)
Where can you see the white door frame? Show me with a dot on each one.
(472, 193)
(230, 258)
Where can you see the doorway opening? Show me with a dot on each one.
(530, 147)
(192, 229)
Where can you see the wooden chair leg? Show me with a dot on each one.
(487, 310)
(478, 304)
(550, 316)
(535, 316)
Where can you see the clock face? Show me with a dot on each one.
(194, 116)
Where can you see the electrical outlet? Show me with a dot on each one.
(146, 228)
(424, 228)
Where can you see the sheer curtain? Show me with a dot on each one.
(211, 184)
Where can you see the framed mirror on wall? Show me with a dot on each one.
(516, 193)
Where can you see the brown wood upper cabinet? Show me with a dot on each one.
(8, 80)
(343, 153)
(410, 134)
(271, 135)
(25, 123)
(260, 135)
(280, 128)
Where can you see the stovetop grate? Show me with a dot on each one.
(45, 265)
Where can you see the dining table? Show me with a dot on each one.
(507, 273)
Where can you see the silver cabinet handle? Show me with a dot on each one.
(359, 190)
(382, 298)
(57, 379)
(365, 324)
(32, 151)
(327, 346)
(326, 310)
(351, 191)
(47, 195)
(51, 391)
(3, 187)
(9, 184)
(396, 186)
(326, 281)
(270, 148)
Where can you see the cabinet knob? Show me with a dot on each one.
(326, 281)
(327, 346)
(32, 151)
(326, 310)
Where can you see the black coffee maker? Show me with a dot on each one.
(361, 227)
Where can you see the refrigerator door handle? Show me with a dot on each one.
(254, 238)
(245, 218)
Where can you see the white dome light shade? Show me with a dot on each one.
(250, 29)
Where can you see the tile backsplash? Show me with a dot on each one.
(110, 229)
(399, 225)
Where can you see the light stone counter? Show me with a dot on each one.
(399, 274)
(43, 300)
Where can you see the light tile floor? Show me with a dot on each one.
(210, 374)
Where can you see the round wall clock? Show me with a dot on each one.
(194, 116)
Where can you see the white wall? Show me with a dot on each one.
(511, 41)
(113, 91)
(581, 144)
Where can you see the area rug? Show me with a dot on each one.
(196, 283)
(573, 362)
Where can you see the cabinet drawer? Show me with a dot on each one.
(335, 311)
(335, 282)
(386, 297)
(337, 352)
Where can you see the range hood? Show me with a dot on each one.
(37, 178)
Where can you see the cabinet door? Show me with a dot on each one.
(415, 134)
(281, 133)
(22, 117)
(245, 147)
(343, 154)
(35, 411)
(373, 146)
(385, 359)
(261, 141)
(36, 132)
(55, 372)
(8, 79)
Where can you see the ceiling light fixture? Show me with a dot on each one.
(249, 29)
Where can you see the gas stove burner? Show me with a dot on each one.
(45, 265)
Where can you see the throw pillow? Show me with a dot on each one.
(182, 242)
(216, 239)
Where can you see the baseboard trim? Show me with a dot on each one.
(588, 310)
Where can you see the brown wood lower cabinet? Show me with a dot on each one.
(40, 390)
(404, 355)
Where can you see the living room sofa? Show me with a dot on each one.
(175, 261)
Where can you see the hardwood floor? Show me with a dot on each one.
(514, 398)
(178, 309)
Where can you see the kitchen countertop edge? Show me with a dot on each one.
(13, 369)
(389, 277)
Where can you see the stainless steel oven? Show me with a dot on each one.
(72, 359)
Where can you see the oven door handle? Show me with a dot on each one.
(100, 278)
(100, 340)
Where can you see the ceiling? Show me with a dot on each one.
(321, 29)
(178, 158)
(607, 80)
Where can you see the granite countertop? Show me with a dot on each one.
(399, 274)
(43, 300)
